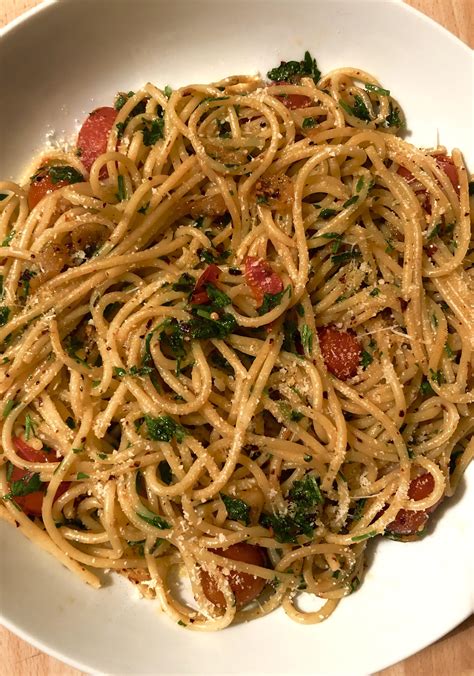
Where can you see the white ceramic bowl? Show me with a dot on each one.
(63, 59)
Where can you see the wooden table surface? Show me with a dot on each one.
(453, 655)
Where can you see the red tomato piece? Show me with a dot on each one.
(406, 174)
(210, 276)
(246, 588)
(94, 133)
(447, 165)
(407, 521)
(293, 101)
(41, 186)
(32, 503)
(341, 351)
(261, 278)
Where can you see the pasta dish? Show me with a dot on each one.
(237, 341)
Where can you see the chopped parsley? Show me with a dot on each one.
(82, 475)
(167, 91)
(360, 183)
(359, 509)
(306, 337)
(304, 502)
(8, 239)
(448, 350)
(377, 90)
(345, 256)
(202, 328)
(4, 314)
(425, 387)
(296, 416)
(166, 474)
(153, 131)
(393, 119)
(435, 232)
(436, 376)
(218, 298)
(153, 519)
(374, 292)
(292, 71)
(352, 200)
(121, 99)
(164, 428)
(358, 109)
(185, 283)
(366, 359)
(30, 483)
(65, 173)
(359, 538)
(121, 193)
(29, 427)
(309, 122)
(271, 300)
(8, 408)
(237, 509)
(325, 214)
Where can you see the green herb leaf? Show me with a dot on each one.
(8, 239)
(82, 475)
(345, 256)
(435, 232)
(377, 90)
(291, 71)
(119, 371)
(306, 493)
(366, 359)
(186, 282)
(448, 350)
(325, 214)
(374, 292)
(8, 408)
(359, 109)
(167, 91)
(152, 518)
(393, 119)
(271, 300)
(166, 474)
(202, 328)
(306, 338)
(359, 538)
(164, 428)
(425, 388)
(29, 427)
(296, 416)
(120, 126)
(65, 173)
(360, 184)
(122, 193)
(359, 509)
(237, 509)
(437, 376)
(153, 131)
(309, 122)
(121, 99)
(4, 314)
(30, 483)
(352, 200)
(218, 298)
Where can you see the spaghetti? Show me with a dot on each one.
(237, 340)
